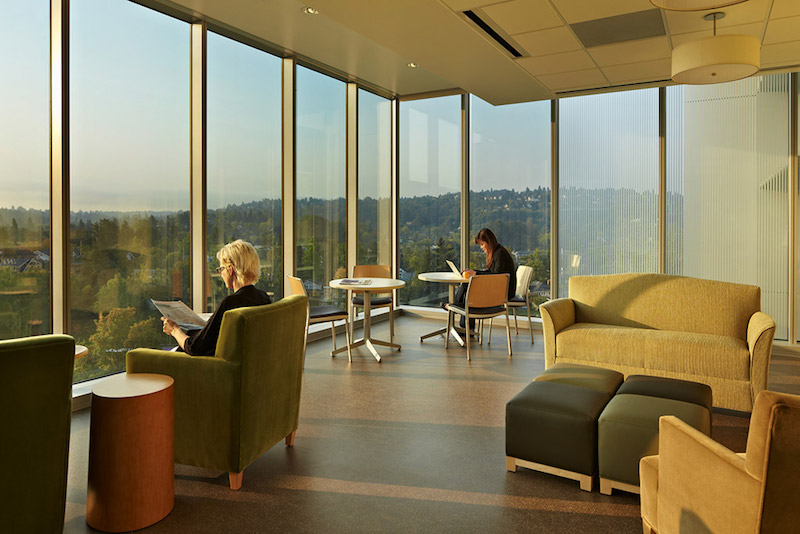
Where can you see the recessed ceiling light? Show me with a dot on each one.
(308, 10)
(413, 65)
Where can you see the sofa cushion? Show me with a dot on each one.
(680, 352)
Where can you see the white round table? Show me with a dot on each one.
(375, 285)
(452, 280)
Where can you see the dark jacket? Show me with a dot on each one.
(503, 262)
(204, 342)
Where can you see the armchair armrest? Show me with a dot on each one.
(207, 399)
(760, 333)
(702, 486)
(557, 314)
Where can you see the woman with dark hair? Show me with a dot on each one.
(498, 260)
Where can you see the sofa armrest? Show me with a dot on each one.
(207, 399)
(760, 333)
(557, 314)
(702, 486)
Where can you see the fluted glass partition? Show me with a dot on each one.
(244, 159)
(509, 187)
(430, 194)
(608, 180)
(727, 181)
(24, 170)
(129, 95)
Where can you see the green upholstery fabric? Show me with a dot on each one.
(628, 430)
(680, 390)
(36, 410)
(234, 406)
(671, 326)
(700, 486)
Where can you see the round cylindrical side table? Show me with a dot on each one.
(131, 452)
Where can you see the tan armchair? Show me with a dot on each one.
(695, 484)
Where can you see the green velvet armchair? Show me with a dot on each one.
(36, 410)
(232, 407)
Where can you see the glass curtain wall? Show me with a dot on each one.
(321, 210)
(25, 169)
(509, 182)
(374, 180)
(608, 179)
(429, 214)
(243, 159)
(129, 98)
(727, 182)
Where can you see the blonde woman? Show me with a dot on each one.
(239, 268)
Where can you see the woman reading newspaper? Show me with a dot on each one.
(239, 268)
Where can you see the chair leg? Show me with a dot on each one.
(290, 438)
(348, 333)
(447, 331)
(491, 325)
(235, 479)
(467, 334)
(508, 333)
(530, 321)
(333, 334)
(516, 326)
(391, 322)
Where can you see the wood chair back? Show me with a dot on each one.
(372, 271)
(296, 285)
(487, 290)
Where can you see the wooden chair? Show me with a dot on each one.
(323, 314)
(521, 298)
(373, 271)
(485, 299)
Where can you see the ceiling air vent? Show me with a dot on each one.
(491, 33)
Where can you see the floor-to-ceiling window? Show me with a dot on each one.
(243, 159)
(608, 184)
(727, 180)
(509, 183)
(321, 210)
(429, 216)
(24, 169)
(374, 179)
(129, 156)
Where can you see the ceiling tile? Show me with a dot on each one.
(466, 5)
(577, 60)
(550, 41)
(782, 30)
(581, 10)
(785, 8)
(519, 16)
(753, 29)
(631, 51)
(692, 21)
(620, 28)
(575, 80)
(781, 54)
(646, 71)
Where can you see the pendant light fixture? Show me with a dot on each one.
(716, 59)
(694, 5)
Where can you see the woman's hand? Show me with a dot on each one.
(469, 273)
(169, 327)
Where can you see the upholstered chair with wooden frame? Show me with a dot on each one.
(695, 484)
(521, 298)
(323, 314)
(376, 301)
(485, 299)
(232, 407)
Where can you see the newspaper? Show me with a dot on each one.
(356, 282)
(179, 312)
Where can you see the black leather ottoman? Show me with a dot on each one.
(551, 425)
(628, 426)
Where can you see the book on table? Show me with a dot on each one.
(356, 282)
(179, 312)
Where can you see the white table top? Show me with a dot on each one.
(377, 284)
(447, 277)
(125, 385)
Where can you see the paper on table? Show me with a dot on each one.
(351, 282)
(180, 313)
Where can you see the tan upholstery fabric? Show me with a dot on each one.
(665, 302)
(664, 325)
(700, 486)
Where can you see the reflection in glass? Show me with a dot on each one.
(608, 179)
(430, 194)
(24, 170)
(129, 177)
(727, 186)
(374, 179)
(243, 159)
(510, 185)
(321, 224)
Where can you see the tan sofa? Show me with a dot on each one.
(664, 325)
